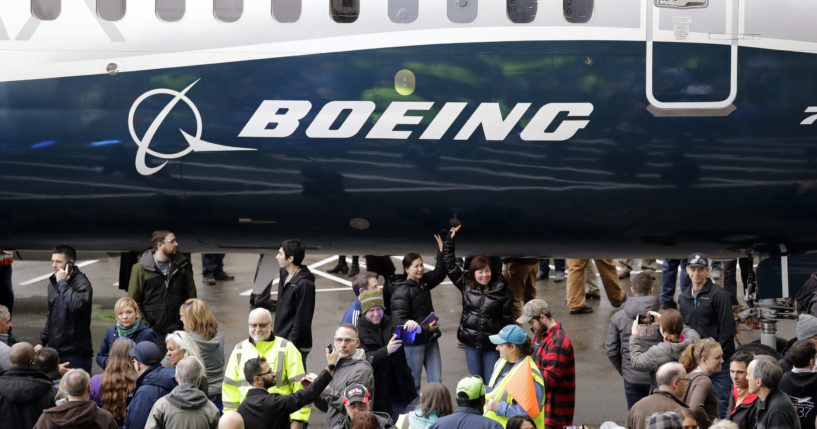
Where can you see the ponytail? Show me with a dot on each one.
(688, 359)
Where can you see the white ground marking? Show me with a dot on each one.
(45, 276)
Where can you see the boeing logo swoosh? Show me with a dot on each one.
(196, 144)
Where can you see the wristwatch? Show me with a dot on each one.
(330, 367)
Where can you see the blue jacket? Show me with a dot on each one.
(465, 417)
(156, 382)
(352, 313)
(143, 333)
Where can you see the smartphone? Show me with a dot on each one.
(646, 319)
(69, 268)
(330, 347)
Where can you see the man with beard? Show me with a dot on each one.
(160, 283)
(272, 410)
(281, 355)
(554, 357)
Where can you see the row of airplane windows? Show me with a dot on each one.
(342, 11)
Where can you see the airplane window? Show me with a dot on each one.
(228, 10)
(286, 10)
(577, 11)
(521, 11)
(462, 11)
(403, 11)
(110, 10)
(170, 10)
(46, 10)
(345, 11)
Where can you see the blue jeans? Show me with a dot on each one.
(635, 392)
(427, 355)
(212, 263)
(78, 361)
(669, 275)
(481, 362)
(723, 388)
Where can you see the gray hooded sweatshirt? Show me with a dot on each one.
(212, 354)
(185, 407)
(660, 353)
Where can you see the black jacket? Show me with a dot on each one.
(262, 409)
(24, 394)
(392, 376)
(745, 413)
(160, 297)
(776, 412)
(802, 390)
(296, 305)
(411, 300)
(710, 315)
(68, 324)
(484, 311)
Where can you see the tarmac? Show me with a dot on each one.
(599, 388)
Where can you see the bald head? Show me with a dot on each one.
(231, 420)
(21, 354)
(260, 324)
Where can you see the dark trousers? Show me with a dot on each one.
(78, 361)
(558, 264)
(635, 392)
(722, 384)
(212, 263)
(669, 275)
(730, 278)
(6, 292)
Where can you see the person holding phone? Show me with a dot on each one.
(411, 300)
(487, 306)
(393, 380)
(68, 323)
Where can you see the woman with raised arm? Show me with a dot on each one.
(487, 306)
(411, 300)
(677, 336)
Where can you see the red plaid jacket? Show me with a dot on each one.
(554, 357)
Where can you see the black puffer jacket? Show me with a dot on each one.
(68, 326)
(411, 300)
(484, 311)
(393, 381)
(24, 394)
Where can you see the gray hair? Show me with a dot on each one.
(189, 370)
(668, 372)
(724, 424)
(768, 370)
(3, 311)
(184, 341)
(76, 382)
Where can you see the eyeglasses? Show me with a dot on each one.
(170, 241)
(265, 373)
(346, 340)
(258, 325)
(682, 379)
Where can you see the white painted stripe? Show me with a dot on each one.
(45, 276)
(784, 270)
(427, 266)
(312, 267)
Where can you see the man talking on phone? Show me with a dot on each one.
(68, 324)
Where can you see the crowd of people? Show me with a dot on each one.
(164, 363)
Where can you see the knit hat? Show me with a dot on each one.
(369, 299)
(472, 387)
(665, 420)
(806, 327)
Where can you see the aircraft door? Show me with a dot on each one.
(691, 56)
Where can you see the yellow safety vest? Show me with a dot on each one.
(281, 355)
(499, 393)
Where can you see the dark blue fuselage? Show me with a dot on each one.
(628, 182)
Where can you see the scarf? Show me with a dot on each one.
(127, 332)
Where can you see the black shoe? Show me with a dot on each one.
(589, 295)
(581, 310)
(208, 279)
(339, 268)
(355, 270)
(224, 277)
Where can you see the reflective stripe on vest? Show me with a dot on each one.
(279, 364)
(501, 395)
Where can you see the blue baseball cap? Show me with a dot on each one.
(510, 334)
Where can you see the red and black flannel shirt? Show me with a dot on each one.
(554, 357)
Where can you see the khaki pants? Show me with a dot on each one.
(575, 281)
(522, 284)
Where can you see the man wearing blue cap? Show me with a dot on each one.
(707, 308)
(503, 399)
(152, 382)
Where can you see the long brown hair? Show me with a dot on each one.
(693, 354)
(435, 397)
(118, 378)
(478, 263)
(199, 319)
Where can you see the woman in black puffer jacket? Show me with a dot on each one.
(411, 301)
(487, 306)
